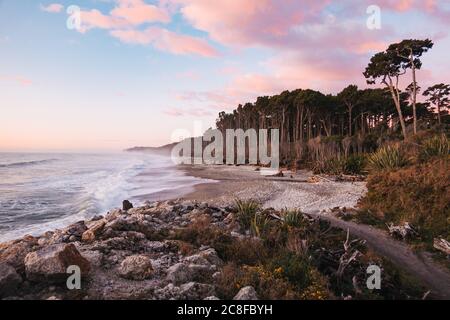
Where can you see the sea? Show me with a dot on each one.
(45, 191)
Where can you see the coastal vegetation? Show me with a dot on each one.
(400, 144)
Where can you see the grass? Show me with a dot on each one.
(387, 158)
(418, 194)
(437, 146)
(246, 211)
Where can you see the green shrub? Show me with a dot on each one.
(354, 164)
(260, 224)
(437, 146)
(295, 268)
(246, 211)
(387, 158)
(292, 218)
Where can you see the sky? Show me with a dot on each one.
(110, 74)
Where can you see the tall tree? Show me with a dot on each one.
(388, 67)
(439, 96)
(409, 51)
(350, 97)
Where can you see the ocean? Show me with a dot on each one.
(42, 192)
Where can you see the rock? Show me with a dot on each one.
(9, 280)
(137, 267)
(50, 263)
(196, 291)
(75, 230)
(14, 252)
(95, 258)
(196, 259)
(246, 293)
(212, 257)
(126, 205)
(95, 229)
(211, 298)
(179, 273)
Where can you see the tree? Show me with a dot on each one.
(350, 97)
(388, 67)
(439, 96)
(409, 51)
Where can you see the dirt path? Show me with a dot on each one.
(422, 267)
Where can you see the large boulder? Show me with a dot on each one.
(246, 293)
(51, 263)
(95, 229)
(137, 267)
(126, 205)
(9, 280)
(14, 252)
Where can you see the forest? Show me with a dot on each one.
(316, 126)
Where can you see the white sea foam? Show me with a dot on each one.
(44, 195)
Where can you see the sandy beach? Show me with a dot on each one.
(290, 191)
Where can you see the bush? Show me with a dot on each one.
(387, 158)
(260, 225)
(268, 285)
(417, 194)
(437, 146)
(354, 164)
(246, 211)
(292, 218)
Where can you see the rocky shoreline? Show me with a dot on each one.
(164, 250)
(118, 255)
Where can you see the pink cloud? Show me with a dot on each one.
(53, 8)
(166, 40)
(17, 79)
(137, 12)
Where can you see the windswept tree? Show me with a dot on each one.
(409, 53)
(439, 96)
(350, 97)
(387, 66)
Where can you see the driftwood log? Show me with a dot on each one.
(442, 245)
(404, 231)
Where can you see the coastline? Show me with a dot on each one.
(137, 253)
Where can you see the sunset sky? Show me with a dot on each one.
(137, 70)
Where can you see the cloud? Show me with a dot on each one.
(137, 12)
(17, 79)
(124, 20)
(166, 40)
(53, 8)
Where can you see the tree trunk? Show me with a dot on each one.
(414, 93)
(396, 98)
(439, 112)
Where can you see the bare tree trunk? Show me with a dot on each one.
(349, 108)
(396, 96)
(414, 93)
(439, 112)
